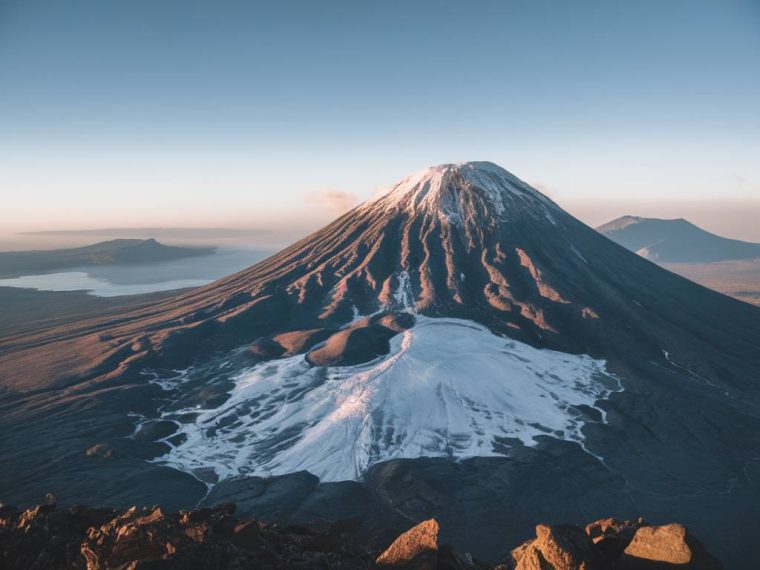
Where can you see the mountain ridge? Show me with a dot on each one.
(110, 252)
(540, 280)
(675, 241)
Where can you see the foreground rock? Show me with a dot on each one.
(46, 537)
(670, 545)
(419, 549)
(558, 547)
(611, 544)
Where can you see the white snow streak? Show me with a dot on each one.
(403, 296)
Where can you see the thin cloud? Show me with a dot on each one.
(333, 201)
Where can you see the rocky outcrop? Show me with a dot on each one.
(611, 544)
(557, 548)
(49, 538)
(417, 547)
(100, 450)
(611, 536)
(45, 538)
(94, 539)
(664, 547)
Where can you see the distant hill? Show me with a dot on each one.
(113, 252)
(675, 241)
(143, 233)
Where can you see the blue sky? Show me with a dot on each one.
(155, 112)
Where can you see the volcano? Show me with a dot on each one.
(458, 347)
(675, 241)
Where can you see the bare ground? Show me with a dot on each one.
(739, 279)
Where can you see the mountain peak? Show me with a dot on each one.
(675, 240)
(455, 191)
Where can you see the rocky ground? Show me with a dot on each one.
(46, 537)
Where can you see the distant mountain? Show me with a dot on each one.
(113, 252)
(675, 241)
(142, 233)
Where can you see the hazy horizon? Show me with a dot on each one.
(176, 114)
(733, 219)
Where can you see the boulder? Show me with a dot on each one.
(611, 536)
(667, 546)
(416, 549)
(45, 538)
(560, 547)
(49, 538)
(100, 450)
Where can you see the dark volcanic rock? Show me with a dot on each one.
(150, 534)
(272, 499)
(44, 538)
(561, 547)
(266, 348)
(611, 536)
(48, 538)
(100, 450)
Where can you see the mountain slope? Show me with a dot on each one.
(457, 347)
(675, 241)
(469, 241)
(112, 252)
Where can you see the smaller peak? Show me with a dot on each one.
(620, 223)
(483, 166)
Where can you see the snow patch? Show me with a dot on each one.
(448, 388)
(435, 190)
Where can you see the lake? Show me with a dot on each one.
(115, 280)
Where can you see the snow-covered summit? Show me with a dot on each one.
(451, 189)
